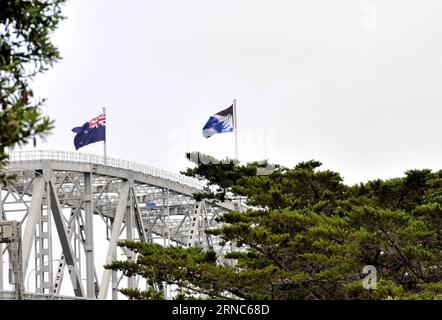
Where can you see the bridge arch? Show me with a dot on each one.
(64, 195)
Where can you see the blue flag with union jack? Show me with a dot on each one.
(92, 131)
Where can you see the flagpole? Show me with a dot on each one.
(104, 141)
(235, 123)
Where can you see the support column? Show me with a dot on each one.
(31, 220)
(15, 254)
(138, 218)
(78, 233)
(1, 244)
(89, 229)
(43, 244)
(116, 228)
(10, 232)
(166, 215)
(163, 215)
(114, 278)
(65, 242)
(1, 265)
(129, 236)
(194, 232)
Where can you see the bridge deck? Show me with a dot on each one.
(111, 167)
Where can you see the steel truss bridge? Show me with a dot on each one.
(63, 198)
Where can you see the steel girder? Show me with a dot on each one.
(72, 193)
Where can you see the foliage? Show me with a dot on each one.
(25, 51)
(307, 235)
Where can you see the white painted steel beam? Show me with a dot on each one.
(89, 230)
(34, 211)
(65, 243)
(116, 228)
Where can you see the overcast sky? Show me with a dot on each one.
(355, 84)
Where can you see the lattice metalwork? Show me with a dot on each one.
(69, 202)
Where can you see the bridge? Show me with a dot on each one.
(74, 207)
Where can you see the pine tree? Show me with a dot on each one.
(25, 51)
(310, 238)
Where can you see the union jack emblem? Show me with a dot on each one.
(99, 121)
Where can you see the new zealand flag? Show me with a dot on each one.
(92, 131)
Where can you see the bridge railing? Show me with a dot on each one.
(10, 295)
(35, 155)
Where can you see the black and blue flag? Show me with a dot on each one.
(219, 123)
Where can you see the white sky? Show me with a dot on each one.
(352, 83)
